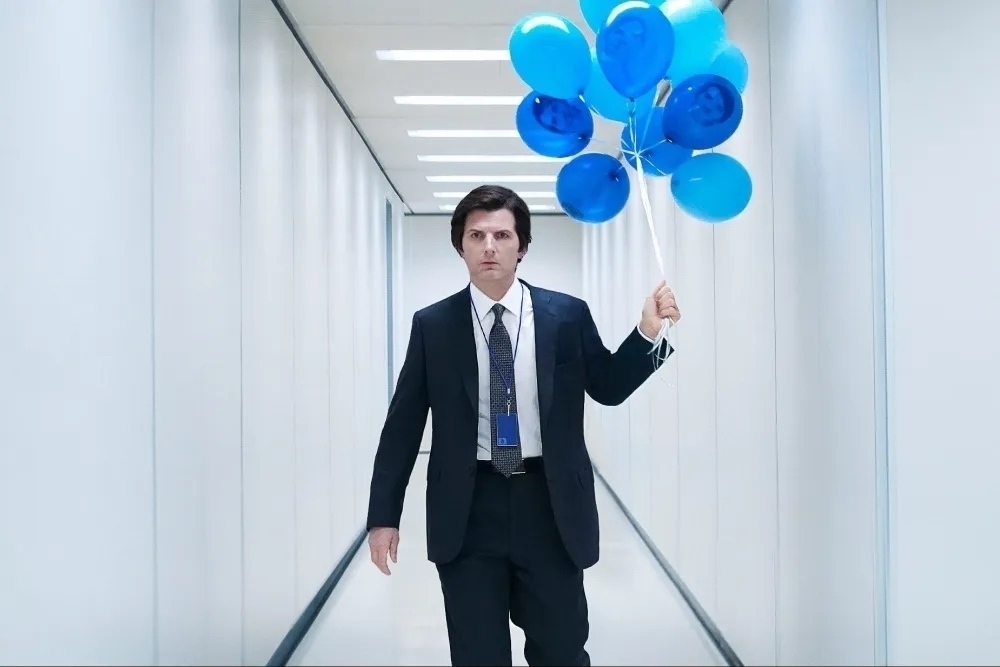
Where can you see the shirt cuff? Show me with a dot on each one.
(644, 336)
(666, 336)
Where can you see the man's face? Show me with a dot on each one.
(490, 246)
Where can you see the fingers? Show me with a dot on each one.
(378, 554)
(393, 545)
(666, 304)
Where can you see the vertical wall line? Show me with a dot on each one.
(293, 166)
(774, 313)
(715, 415)
(242, 222)
(883, 327)
(152, 323)
(329, 134)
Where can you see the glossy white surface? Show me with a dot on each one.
(637, 617)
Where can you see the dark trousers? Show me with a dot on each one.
(513, 567)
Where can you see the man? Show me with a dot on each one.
(511, 510)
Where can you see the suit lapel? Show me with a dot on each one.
(464, 344)
(546, 331)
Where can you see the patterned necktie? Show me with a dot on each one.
(507, 460)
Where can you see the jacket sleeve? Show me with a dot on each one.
(399, 443)
(614, 376)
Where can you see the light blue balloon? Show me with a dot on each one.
(551, 55)
(699, 31)
(596, 12)
(607, 102)
(731, 64)
(728, 62)
(712, 187)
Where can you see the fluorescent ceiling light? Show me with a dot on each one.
(463, 134)
(523, 178)
(491, 159)
(460, 100)
(458, 194)
(444, 55)
(538, 208)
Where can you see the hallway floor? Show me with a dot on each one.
(636, 615)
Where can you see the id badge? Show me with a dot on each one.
(507, 435)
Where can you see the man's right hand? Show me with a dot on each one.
(383, 543)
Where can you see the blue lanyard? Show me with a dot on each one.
(517, 342)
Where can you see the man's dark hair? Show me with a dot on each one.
(492, 198)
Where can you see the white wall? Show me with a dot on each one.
(752, 456)
(191, 233)
(433, 270)
(944, 288)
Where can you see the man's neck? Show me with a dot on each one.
(496, 290)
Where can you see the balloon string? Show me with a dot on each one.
(647, 209)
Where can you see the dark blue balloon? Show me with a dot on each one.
(635, 47)
(553, 127)
(702, 111)
(593, 187)
(712, 187)
(659, 156)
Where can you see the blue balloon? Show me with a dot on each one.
(593, 187)
(551, 55)
(608, 102)
(554, 127)
(712, 187)
(699, 31)
(634, 48)
(659, 156)
(731, 65)
(702, 112)
(728, 62)
(596, 12)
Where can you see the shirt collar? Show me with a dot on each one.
(511, 300)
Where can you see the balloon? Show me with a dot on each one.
(659, 156)
(554, 127)
(712, 187)
(728, 62)
(731, 65)
(699, 30)
(702, 112)
(608, 102)
(551, 55)
(592, 187)
(596, 12)
(634, 47)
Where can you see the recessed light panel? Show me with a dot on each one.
(444, 55)
(463, 134)
(459, 100)
(494, 178)
(490, 159)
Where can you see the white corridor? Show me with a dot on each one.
(637, 616)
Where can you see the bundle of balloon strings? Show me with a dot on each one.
(658, 350)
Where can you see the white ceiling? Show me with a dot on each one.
(344, 35)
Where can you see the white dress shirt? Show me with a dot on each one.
(525, 367)
(525, 370)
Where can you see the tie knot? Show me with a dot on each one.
(498, 311)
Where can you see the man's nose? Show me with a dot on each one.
(490, 245)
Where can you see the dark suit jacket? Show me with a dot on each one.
(440, 373)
